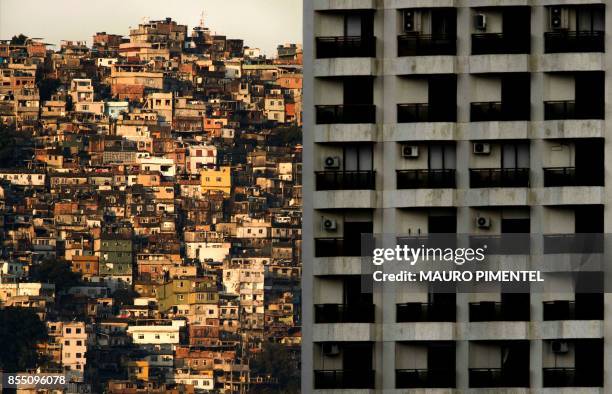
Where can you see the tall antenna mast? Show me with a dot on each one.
(202, 19)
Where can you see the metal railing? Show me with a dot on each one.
(345, 46)
(490, 111)
(574, 41)
(498, 377)
(334, 247)
(424, 378)
(344, 379)
(348, 114)
(577, 243)
(568, 109)
(411, 312)
(499, 311)
(423, 112)
(571, 377)
(499, 177)
(344, 313)
(345, 180)
(426, 45)
(571, 310)
(500, 43)
(568, 176)
(426, 179)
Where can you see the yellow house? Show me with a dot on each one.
(138, 370)
(216, 179)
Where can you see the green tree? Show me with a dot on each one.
(55, 271)
(276, 362)
(124, 296)
(19, 40)
(20, 331)
(286, 136)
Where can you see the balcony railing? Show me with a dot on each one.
(346, 46)
(574, 41)
(576, 243)
(499, 177)
(498, 377)
(500, 43)
(492, 111)
(426, 45)
(348, 114)
(499, 311)
(567, 176)
(424, 378)
(344, 379)
(570, 310)
(344, 313)
(567, 109)
(425, 312)
(345, 180)
(571, 377)
(426, 179)
(503, 244)
(334, 247)
(423, 112)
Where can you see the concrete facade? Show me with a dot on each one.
(351, 188)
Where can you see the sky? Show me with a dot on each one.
(260, 23)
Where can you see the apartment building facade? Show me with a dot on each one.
(455, 116)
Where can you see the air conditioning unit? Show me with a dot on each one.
(411, 21)
(332, 162)
(483, 222)
(482, 148)
(410, 151)
(331, 349)
(559, 18)
(480, 22)
(329, 224)
(560, 347)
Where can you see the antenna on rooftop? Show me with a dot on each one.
(202, 19)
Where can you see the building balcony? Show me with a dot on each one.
(571, 377)
(426, 179)
(568, 310)
(500, 43)
(506, 244)
(492, 111)
(426, 45)
(498, 377)
(499, 177)
(415, 312)
(423, 112)
(345, 46)
(345, 180)
(574, 41)
(424, 378)
(568, 176)
(344, 379)
(335, 247)
(338, 265)
(344, 313)
(567, 109)
(573, 243)
(346, 114)
(498, 311)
